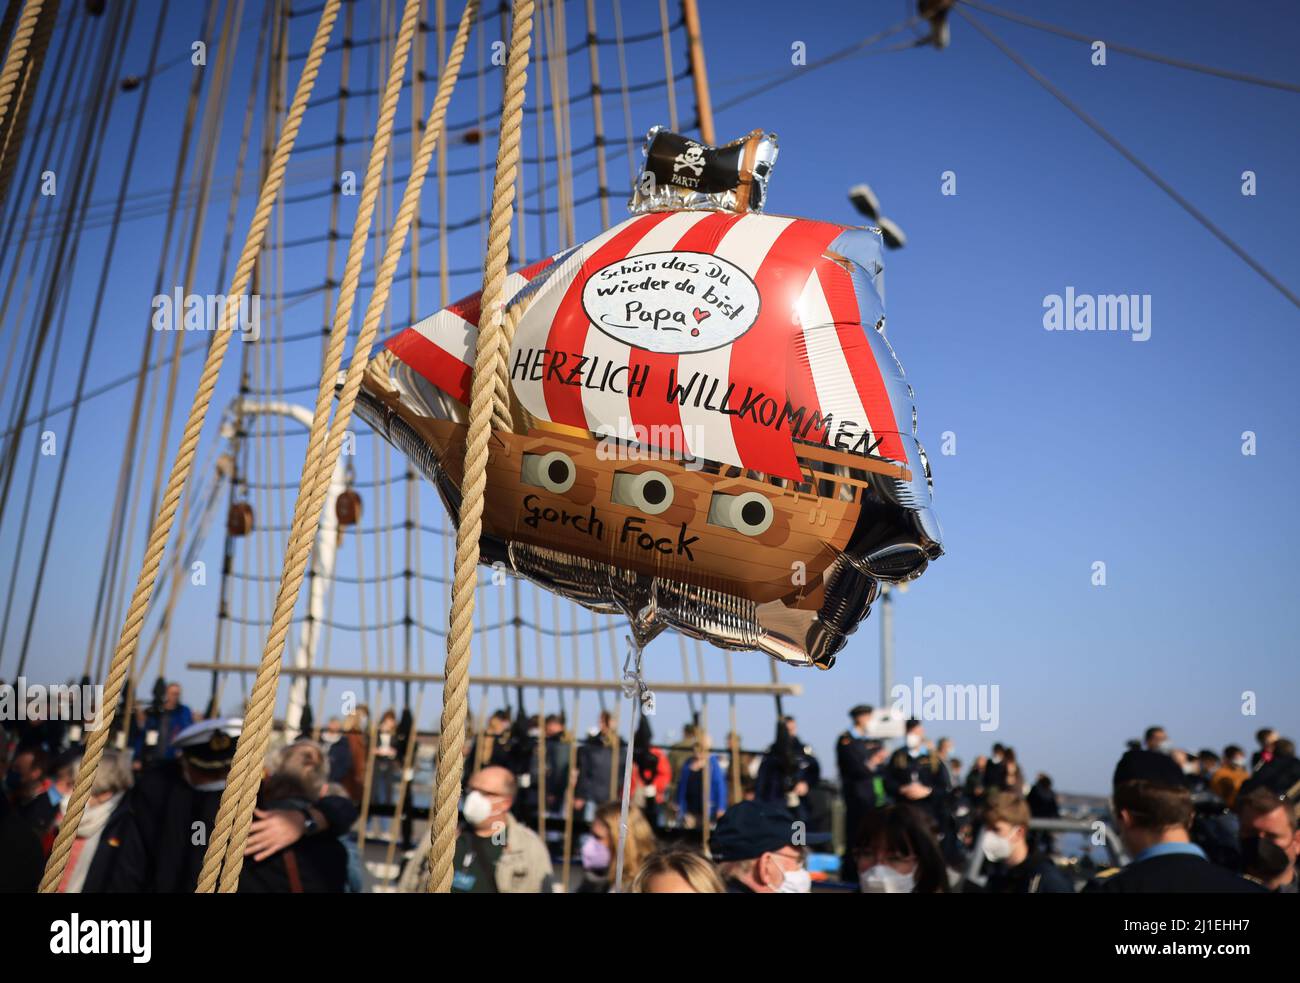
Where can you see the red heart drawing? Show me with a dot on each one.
(701, 315)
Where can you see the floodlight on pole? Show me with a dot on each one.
(865, 201)
(891, 233)
(868, 205)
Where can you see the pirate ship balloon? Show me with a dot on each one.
(709, 430)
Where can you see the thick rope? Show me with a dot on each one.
(487, 363)
(130, 637)
(317, 472)
(15, 126)
(239, 796)
(17, 55)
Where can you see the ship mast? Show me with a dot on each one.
(324, 553)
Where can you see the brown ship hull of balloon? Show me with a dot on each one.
(737, 559)
(785, 562)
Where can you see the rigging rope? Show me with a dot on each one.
(224, 854)
(130, 635)
(1133, 159)
(16, 56)
(489, 362)
(316, 473)
(15, 126)
(100, 624)
(63, 258)
(1125, 49)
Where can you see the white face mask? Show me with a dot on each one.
(477, 808)
(995, 848)
(883, 879)
(912, 740)
(216, 786)
(795, 882)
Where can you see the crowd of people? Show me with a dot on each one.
(698, 818)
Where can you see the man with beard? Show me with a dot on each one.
(287, 850)
(174, 809)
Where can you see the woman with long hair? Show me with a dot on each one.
(600, 849)
(897, 854)
(387, 767)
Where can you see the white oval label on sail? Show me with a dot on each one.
(672, 302)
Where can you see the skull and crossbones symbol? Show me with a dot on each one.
(691, 159)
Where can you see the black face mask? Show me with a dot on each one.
(1263, 858)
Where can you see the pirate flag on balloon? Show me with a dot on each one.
(709, 431)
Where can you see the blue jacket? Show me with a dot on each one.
(717, 785)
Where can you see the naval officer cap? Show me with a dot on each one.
(210, 744)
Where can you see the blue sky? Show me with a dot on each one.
(1071, 448)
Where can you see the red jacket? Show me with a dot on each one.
(663, 775)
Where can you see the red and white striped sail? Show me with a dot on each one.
(441, 347)
(731, 338)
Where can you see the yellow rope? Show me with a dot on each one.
(451, 740)
(130, 636)
(17, 54)
(317, 470)
(239, 798)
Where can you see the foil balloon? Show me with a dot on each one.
(709, 430)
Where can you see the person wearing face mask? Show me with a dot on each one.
(1157, 740)
(1153, 806)
(1017, 869)
(495, 853)
(1226, 780)
(1270, 844)
(896, 853)
(599, 851)
(923, 781)
(754, 847)
(600, 769)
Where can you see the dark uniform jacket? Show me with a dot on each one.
(1172, 873)
(166, 835)
(162, 847)
(927, 770)
(783, 768)
(1035, 875)
(856, 777)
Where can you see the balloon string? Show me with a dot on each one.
(634, 689)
